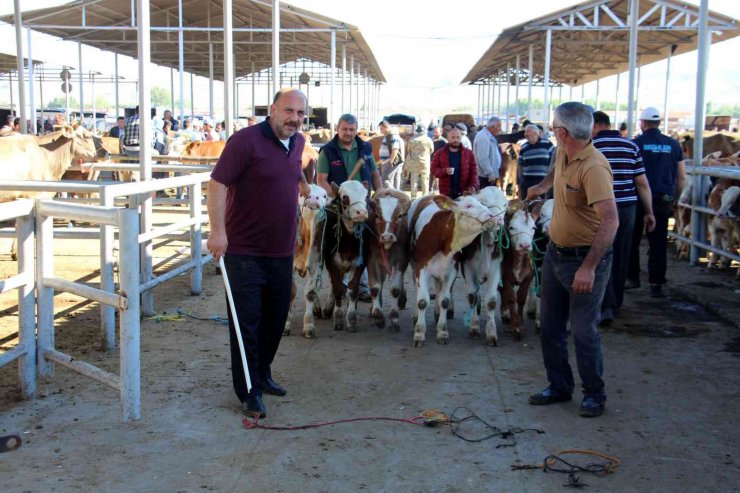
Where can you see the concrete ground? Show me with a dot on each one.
(672, 374)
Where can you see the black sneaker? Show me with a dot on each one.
(656, 291)
(591, 408)
(547, 397)
(254, 406)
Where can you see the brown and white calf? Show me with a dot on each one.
(480, 262)
(724, 228)
(343, 251)
(387, 252)
(543, 212)
(306, 261)
(517, 269)
(439, 228)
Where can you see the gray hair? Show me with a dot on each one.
(576, 118)
(534, 127)
(348, 118)
(492, 120)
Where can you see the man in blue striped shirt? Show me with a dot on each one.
(534, 159)
(629, 182)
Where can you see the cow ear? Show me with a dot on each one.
(68, 131)
(334, 188)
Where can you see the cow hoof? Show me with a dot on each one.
(531, 315)
(395, 325)
(492, 341)
(338, 325)
(317, 313)
(286, 331)
(474, 334)
(418, 343)
(309, 333)
(450, 314)
(443, 339)
(402, 300)
(351, 328)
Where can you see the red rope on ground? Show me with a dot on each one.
(427, 418)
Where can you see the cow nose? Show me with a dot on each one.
(388, 237)
(360, 215)
(525, 246)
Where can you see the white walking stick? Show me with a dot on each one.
(236, 322)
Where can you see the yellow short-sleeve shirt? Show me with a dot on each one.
(577, 185)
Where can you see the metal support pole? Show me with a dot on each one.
(254, 101)
(94, 106)
(596, 103)
(181, 63)
(115, 86)
(196, 236)
(24, 227)
(145, 148)
(516, 92)
(669, 49)
(508, 92)
(478, 105)
(634, 13)
(192, 95)
(637, 88)
(228, 72)
(45, 295)
(500, 87)
(130, 357)
(82, 93)
(491, 96)
(616, 104)
(210, 76)
(698, 220)
(19, 64)
(107, 312)
(365, 99)
(333, 65)
(31, 102)
(351, 79)
(548, 50)
(583, 93)
(344, 75)
(275, 46)
(529, 85)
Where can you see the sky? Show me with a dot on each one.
(425, 48)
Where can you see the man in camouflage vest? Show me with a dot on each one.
(418, 160)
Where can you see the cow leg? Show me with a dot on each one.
(472, 319)
(715, 240)
(375, 282)
(311, 295)
(492, 302)
(352, 290)
(533, 307)
(14, 251)
(517, 309)
(726, 241)
(396, 283)
(337, 288)
(328, 308)
(293, 289)
(444, 296)
(422, 302)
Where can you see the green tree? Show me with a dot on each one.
(61, 102)
(160, 97)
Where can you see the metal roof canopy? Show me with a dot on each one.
(110, 25)
(9, 63)
(590, 41)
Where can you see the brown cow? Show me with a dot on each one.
(509, 165)
(725, 144)
(204, 149)
(387, 252)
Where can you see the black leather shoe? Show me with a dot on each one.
(254, 406)
(546, 397)
(656, 291)
(271, 387)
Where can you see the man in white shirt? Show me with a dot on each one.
(487, 153)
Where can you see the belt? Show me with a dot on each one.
(579, 251)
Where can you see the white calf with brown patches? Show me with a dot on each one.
(306, 261)
(517, 267)
(387, 253)
(440, 227)
(539, 245)
(724, 228)
(480, 263)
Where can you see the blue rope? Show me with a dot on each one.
(359, 228)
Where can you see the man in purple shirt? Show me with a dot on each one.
(252, 206)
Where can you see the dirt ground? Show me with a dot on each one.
(671, 367)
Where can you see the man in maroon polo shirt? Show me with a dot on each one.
(252, 206)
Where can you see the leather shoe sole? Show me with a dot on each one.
(591, 411)
(254, 407)
(542, 399)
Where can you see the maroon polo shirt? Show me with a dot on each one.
(262, 179)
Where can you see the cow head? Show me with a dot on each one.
(317, 199)
(710, 158)
(543, 222)
(472, 214)
(494, 199)
(730, 205)
(83, 145)
(391, 207)
(352, 196)
(521, 227)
